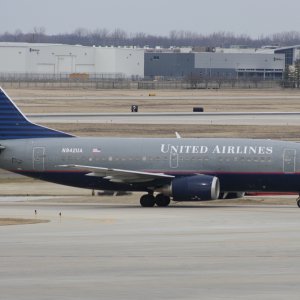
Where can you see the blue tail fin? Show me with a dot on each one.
(14, 125)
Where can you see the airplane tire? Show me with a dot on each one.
(162, 200)
(147, 201)
(298, 203)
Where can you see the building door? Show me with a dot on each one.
(289, 160)
(64, 64)
(38, 158)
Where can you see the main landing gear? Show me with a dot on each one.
(149, 200)
(298, 201)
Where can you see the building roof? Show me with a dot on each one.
(288, 47)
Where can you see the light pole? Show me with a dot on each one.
(237, 71)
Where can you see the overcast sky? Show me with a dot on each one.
(252, 17)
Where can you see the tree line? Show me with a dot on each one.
(119, 37)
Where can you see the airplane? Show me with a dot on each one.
(178, 169)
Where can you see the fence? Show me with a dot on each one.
(119, 81)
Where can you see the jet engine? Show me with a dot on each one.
(195, 188)
(231, 195)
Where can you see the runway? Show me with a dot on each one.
(122, 251)
(157, 97)
(226, 118)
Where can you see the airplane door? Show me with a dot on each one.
(173, 159)
(289, 159)
(38, 158)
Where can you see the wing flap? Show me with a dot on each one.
(119, 175)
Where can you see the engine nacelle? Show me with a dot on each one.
(195, 188)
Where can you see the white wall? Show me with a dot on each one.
(46, 58)
(128, 61)
(13, 59)
(57, 59)
(65, 59)
(105, 60)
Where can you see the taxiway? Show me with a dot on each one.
(225, 118)
(122, 251)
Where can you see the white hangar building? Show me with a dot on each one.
(27, 58)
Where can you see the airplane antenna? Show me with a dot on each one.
(178, 136)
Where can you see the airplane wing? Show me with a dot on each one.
(119, 175)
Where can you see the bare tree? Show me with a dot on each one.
(176, 38)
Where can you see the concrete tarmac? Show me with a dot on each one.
(123, 251)
(162, 98)
(226, 118)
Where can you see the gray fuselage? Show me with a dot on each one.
(240, 164)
